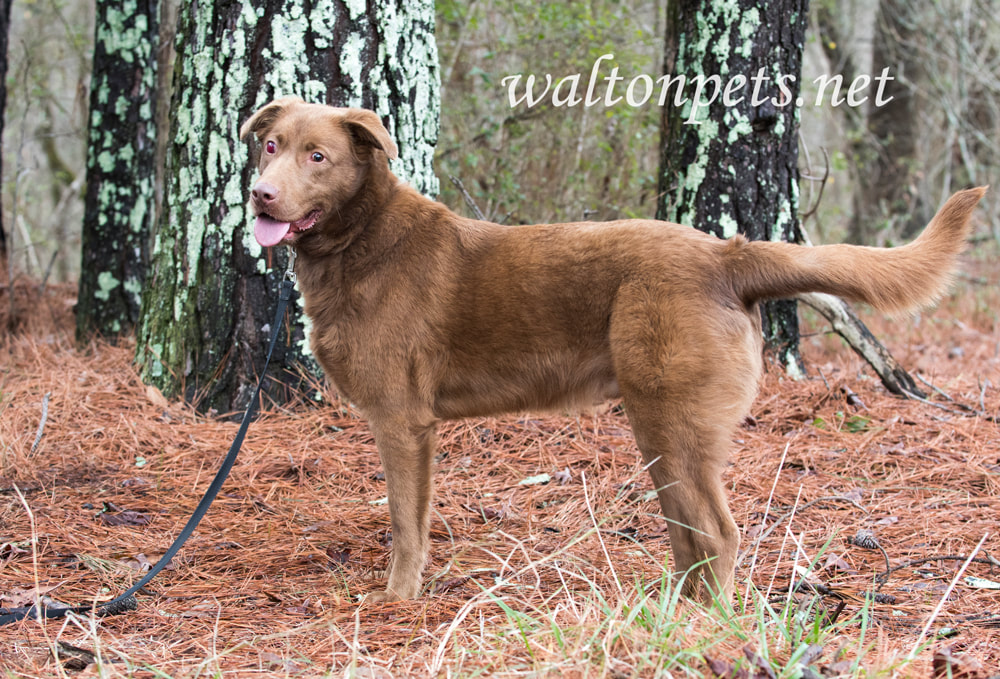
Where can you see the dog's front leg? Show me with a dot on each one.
(407, 450)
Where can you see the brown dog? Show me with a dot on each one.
(421, 315)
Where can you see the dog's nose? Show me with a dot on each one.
(265, 193)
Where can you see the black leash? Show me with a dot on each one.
(126, 601)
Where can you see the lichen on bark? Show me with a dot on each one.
(118, 206)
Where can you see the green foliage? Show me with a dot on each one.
(547, 163)
(651, 631)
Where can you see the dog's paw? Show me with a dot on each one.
(382, 596)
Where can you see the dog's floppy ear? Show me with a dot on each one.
(366, 128)
(264, 118)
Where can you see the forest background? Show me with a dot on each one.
(556, 164)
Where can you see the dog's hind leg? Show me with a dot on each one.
(685, 461)
(407, 452)
(687, 378)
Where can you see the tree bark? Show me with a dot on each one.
(119, 206)
(212, 291)
(732, 166)
(4, 30)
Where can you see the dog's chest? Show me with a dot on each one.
(333, 352)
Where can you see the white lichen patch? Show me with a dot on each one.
(748, 25)
(714, 23)
(739, 125)
(350, 66)
(730, 227)
(792, 367)
(783, 220)
(106, 282)
(304, 347)
(707, 131)
(407, 29)
(134, 288)
(123, 32)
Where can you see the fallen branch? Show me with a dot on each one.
(41, 424)
(964, 410)
(986, 560)
(847, 324)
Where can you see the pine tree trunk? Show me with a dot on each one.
(731, 167)
(119, 207)
(211, 293)
(4, 30)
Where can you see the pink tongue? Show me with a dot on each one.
(269, 231)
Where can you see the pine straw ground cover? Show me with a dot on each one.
(547, 547)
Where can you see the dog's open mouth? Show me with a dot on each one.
(269, 231)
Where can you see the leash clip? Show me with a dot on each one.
(290, 271)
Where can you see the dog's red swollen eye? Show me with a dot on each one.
(271, 147)
(317, 157)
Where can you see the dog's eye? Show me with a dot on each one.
(317, 157)
(270, 147)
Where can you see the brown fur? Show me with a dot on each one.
(421, 315)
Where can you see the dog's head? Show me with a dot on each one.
(313, 160)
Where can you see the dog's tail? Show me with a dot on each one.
(890, 279)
